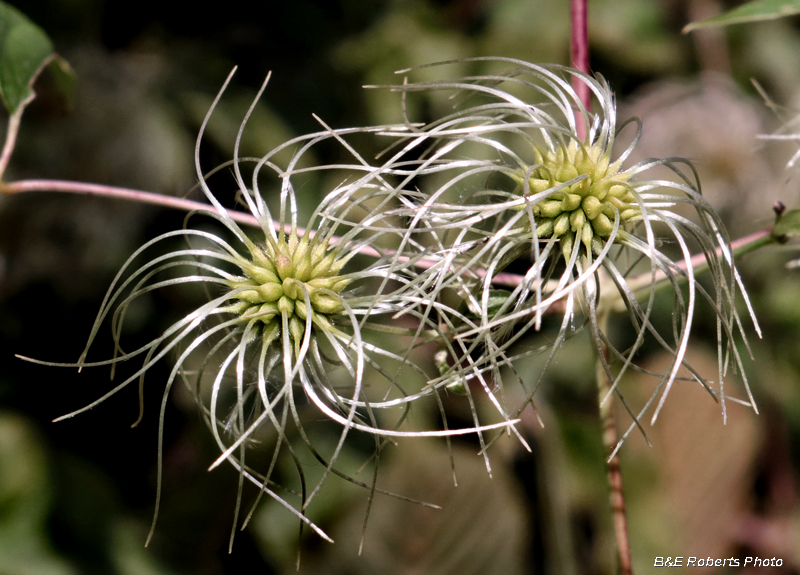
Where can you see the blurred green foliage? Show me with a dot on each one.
(754, 11)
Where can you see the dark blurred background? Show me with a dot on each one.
(77, 497)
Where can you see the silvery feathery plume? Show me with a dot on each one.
(523, 173)
(297, 320)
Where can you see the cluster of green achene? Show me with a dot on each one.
(296, 278)
(591, 194)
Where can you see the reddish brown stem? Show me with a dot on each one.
(580, 58)
(614, 473)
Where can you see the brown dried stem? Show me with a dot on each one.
(613, 467)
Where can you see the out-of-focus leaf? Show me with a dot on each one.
(25, 497)
(64, 78)
(481, 528)
(24, 50)
(750, 12)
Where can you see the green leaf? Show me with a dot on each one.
(787, 227)
(24, 50)
(497, 297)
(64, 79)
(750, 12)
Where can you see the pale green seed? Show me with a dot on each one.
(572, 202)
(286, 306)
(602, 225)
(591, 206)
(283, 264)
(587, 235)
(576, 220)
(326, 303)
(561, 225)
(550, 208)
(544, 228)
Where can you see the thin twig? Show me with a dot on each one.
(738, 247)
(580, 58)
(11, 139)
(613, 469)
(122, 194)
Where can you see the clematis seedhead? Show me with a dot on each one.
(524, 175)
(585, 209)
(295, 277)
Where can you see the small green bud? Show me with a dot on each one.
(262, 264)
(325, 283)
(301, 260)
(283, 264)
(261, 275)
(582, 188)
(340, 285)
(601, 166)
(320, 252)
(325, 266)
(239, 308)
(583, 163)
(302, 269)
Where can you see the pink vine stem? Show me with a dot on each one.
(738, 246)
(579, 54)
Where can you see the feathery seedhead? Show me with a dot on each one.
(528, 174)
(292, 278)
(585, 209)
